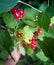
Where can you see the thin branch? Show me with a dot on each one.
(3, 27)
(48, 2)
(30, 6)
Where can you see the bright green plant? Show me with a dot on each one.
(30, 24)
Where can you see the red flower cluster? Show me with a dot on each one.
(33, 44)
(19, 34)
(38, 31)
(32, 41)
(17, 13)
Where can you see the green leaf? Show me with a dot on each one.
(50, 11)
(41, 35)
(48, 47)
(44, 21)
(21, 49)
(30, 23)
(27, 32)
(29, 50)
(30, 16)
(34, 29)
(44, 18)
(41, 56)
(4, 54)
(50, 33)
(5, 39)
(52, 20)
(6, 5)
(35, 3)
(1, 63)
(43, 7)
(44, 33)
(9, 20)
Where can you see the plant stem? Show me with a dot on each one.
(3, 27)
(30, 6)
(48, 2)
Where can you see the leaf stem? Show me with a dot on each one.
(30, 6)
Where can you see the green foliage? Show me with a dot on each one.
(4, 54)
(30, 23)
(35, 3)
(43, 7)
(6, 41)
(41, 35)
(52, 2)
(50, 11)
(28, 26)
(6, 5)
(29, 50)
(52, 20)
(21, 49)
(50, 33)
(1, 22)
(30, 16)
(41, 56)
(42, 20)
(1, 63)
(9, 20)
(48, 47)
(27, 32)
